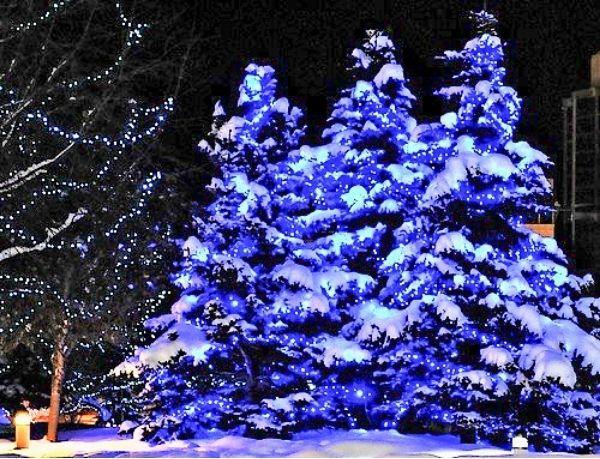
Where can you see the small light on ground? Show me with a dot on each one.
(519, 444)
(22, 422)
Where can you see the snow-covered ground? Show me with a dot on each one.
(101, 442)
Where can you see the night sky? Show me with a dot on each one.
(549, 43)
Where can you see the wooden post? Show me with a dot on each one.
(595, 70)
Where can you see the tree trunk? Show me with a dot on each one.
(250, 381)
(59, 357)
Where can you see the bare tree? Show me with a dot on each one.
(76, 135)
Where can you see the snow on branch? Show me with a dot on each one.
(50, 234)
(25, 175)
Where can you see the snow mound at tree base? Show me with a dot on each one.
(325, 443)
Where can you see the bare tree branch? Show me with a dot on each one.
(25, 175)
(51, 233)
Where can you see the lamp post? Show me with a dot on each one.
(22, 422)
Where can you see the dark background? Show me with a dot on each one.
(549, 44)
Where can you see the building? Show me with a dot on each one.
(580, 194)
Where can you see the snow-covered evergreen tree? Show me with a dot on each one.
(211, 363)
(339, 200)
(283, 257)
(485, 331)
(383, 279)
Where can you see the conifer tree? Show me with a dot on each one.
(491, 334)
(337, 203)
(211, 363)
(296, 368)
